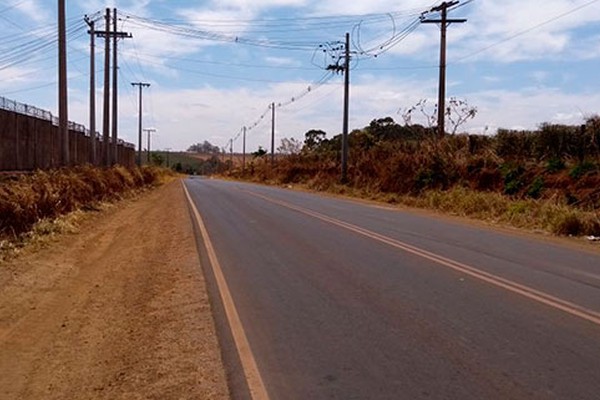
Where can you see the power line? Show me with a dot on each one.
(525, 31)
(18, 3)
(21, 53)
(188, 30)
(205, 73)
(229, 64)
(285, 21)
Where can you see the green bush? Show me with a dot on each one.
(512, 174)
(535, 189)
(581, 169)
(555, 164)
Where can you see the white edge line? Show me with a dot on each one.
(254, 380)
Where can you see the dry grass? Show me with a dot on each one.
(34, 205)
(548, 179)
(454, 177)
(548, 215)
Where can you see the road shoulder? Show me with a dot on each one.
(118, 310)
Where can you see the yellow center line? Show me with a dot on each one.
(523, 290)
(254, 380)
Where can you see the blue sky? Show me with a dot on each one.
(215, 66)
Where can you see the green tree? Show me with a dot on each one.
(157, 159)
(204, 148)
(260, 152)
(313, 139)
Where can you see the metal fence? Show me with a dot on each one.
(29, 140)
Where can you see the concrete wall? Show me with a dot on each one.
(28, 143)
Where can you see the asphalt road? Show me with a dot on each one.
(344, 300)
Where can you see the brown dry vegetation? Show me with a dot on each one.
(547, 179)
(44, 195)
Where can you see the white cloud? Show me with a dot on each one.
(192, 115)
(33, 10)
(216, 112)
(530, 107)
(17, 75)
(344, 7)
(521, 30)
(281, 61)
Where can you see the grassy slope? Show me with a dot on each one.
(26, 200)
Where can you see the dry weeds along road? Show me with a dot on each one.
(118, 310)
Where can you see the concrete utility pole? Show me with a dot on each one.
(140, 85)
(63, 112)
(244, 149)
(92, 33)
(149, 131)
(444, 22)
(272, 134)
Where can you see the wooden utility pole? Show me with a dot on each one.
(149, 131)
(140, 85)
(63, 112)
(244, 149)
(272, 134)
(168, 149)
(230, 154)
(346, 110)
(444, 22)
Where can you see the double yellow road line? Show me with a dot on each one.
(253, 378)
(495, 280)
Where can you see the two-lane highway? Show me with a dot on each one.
(335, 299)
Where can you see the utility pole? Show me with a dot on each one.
(230, 154)
(63, 112)
(149, 131)
(168, 149)
(106, 110)
(346, 110)
(444, 22)
(244, 149)
(140, 85)
(115, 113)
(107, 34)
(92, 33)
(272, 134)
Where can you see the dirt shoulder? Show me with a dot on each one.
(118, 310)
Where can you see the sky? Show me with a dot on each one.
(215, 66)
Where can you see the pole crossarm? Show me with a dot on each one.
(120, 35)
(445, 5)
(448, 21)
